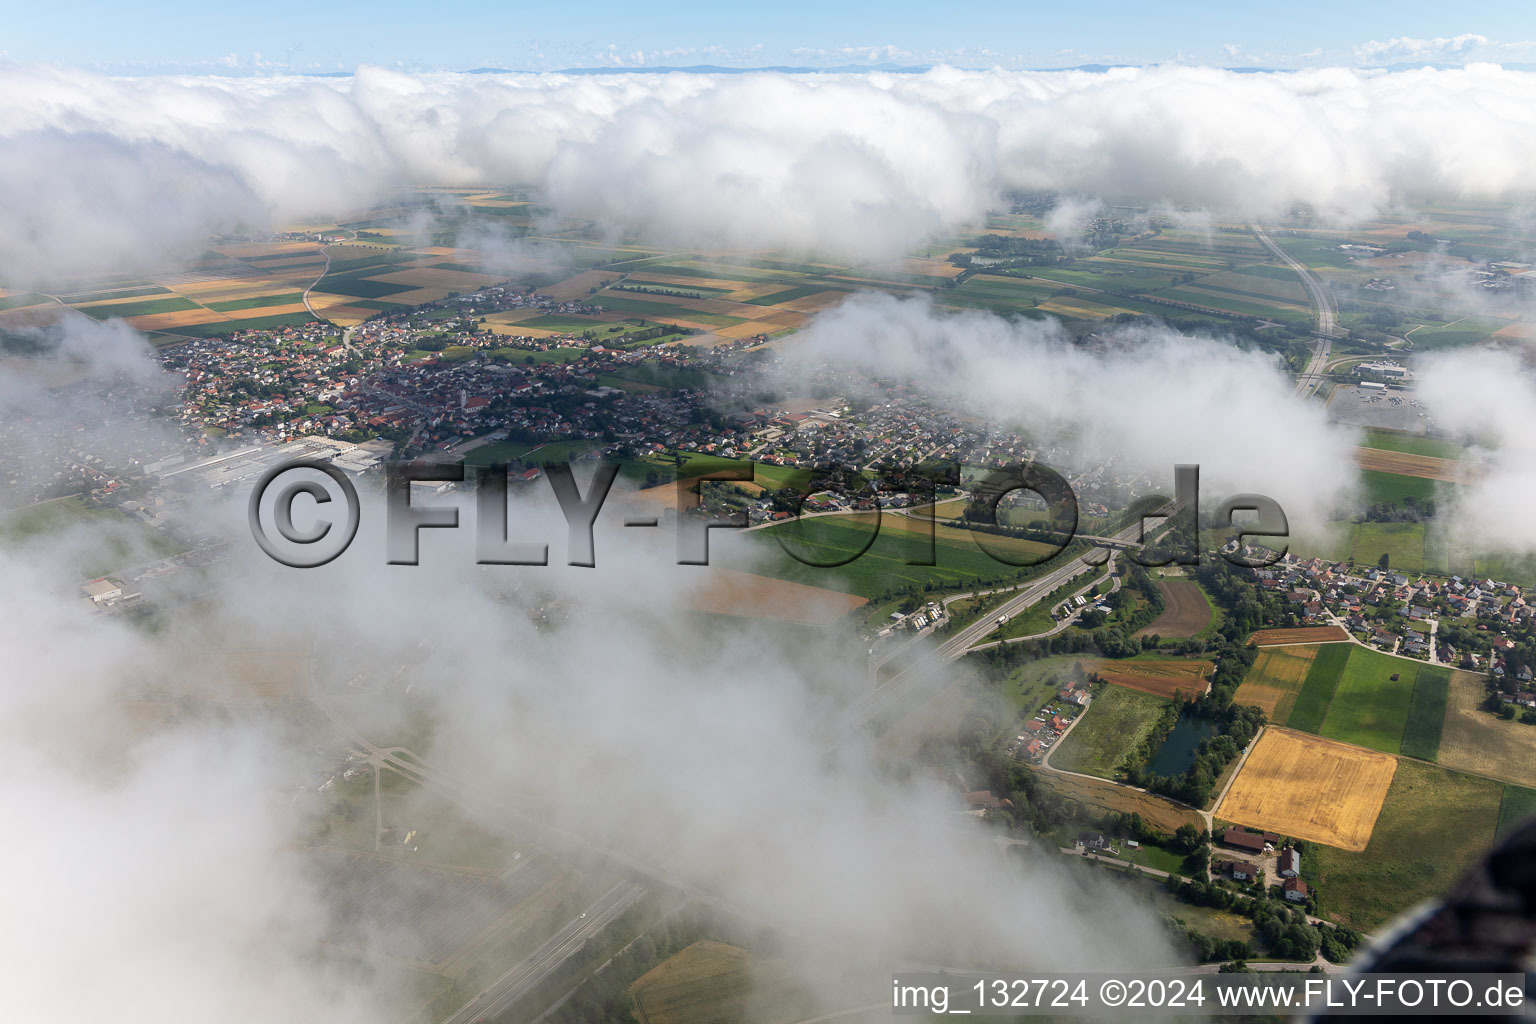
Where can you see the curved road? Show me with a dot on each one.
(1312, 376)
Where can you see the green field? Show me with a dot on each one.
(1369, 707)
(1454, 335)
(1412, 444)
(256, 323)
(885, 566)
(1350, 695)
(286, 299)
(1434, 824)
(21, 299)
(1402, 543)
(1518, 804)
(664, 310)
(1316, 694)
(1426, 713)
(101, 540)
(1378, 486)
(790, 294)
(1114, 725)
(174, 304)
(562, 324)
(79, 298)
(360, 284)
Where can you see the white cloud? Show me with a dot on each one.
(1153, 399)
(856, 165)
(1441, 49)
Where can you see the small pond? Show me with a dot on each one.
(1178, 751)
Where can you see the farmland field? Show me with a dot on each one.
(706, 981)
(1371, 703)
(1113, 725)
(1158, 811)
(1299, 635)
(1310, 788)
(1517, 804)
(1160, 677)
(145, 307)
(885, 566)
(1433, 825)
(1402, 464)
(1275, 680)
(1185, 610)
(730, 592)
(1396, 487)
(1476, 741)
(1311, 704)
(1402, 543)
(1426, 713)
(1392, 440)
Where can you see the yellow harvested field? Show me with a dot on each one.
(1275, 680)
(747, 329)
(347, 316)
(419, 295)
(942, 269)
(1476, 741)
(246, 250)
(580, 286)
(166, 321)
(1314, 789)
(813, 303)
(741, 289)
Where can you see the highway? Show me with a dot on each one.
(639, 871)
(1312, 376)
(905, 682)
(502, 994)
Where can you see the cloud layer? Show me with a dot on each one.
(855, 165)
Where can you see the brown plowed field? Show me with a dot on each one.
(1161, 678)
(1424, 466)
(1185, 610)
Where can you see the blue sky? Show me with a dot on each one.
(278, 35)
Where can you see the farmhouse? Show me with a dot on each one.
(1295, 890)
(1239, 869)
(980, 800)
(1243, 840)
(1289, 863)
(1093, 840)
